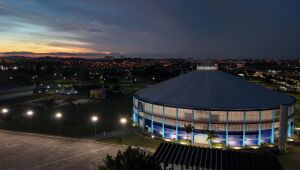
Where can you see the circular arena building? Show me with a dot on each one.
(240, 113)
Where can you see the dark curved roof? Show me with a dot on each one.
(213, 90)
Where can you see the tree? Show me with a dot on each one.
(188, 129)
(134, 159)
(211, 135)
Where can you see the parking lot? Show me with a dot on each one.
(28, 152)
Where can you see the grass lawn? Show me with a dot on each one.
(22, 99)
(76, 119)
(134, 139)
(130, 88)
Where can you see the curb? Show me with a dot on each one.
(46, 136)
(70, 139)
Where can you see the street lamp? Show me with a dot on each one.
(123, 121)
(4, 111)
(94, 120)
(29, 113)
(58, 116)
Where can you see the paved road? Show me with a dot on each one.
(30, 152)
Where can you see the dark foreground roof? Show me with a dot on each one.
(216, 159)
(213, 90)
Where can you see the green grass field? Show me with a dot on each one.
(22, 99)
(134, 139)
(76, 119)
(130, 88)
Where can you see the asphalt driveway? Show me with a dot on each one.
(29, 152)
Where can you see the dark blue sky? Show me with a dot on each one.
(203, 28)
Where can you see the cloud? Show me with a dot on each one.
(94, 30)
(204, 28)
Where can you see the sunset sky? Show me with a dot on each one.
(211, 28)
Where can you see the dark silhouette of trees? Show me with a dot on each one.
(211, 135)
(188, 129)
(130, 159)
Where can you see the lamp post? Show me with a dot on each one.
(123, 121)
(58, 116)
(94, 120)
(4, 112)
(29, 113)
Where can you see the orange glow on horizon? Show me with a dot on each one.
(39, 49)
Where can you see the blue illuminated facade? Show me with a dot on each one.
(237, 129)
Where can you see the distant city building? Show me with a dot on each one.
(9, 92)
(108, 57)
(68, 91)
(99, 93)
(240, 113)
